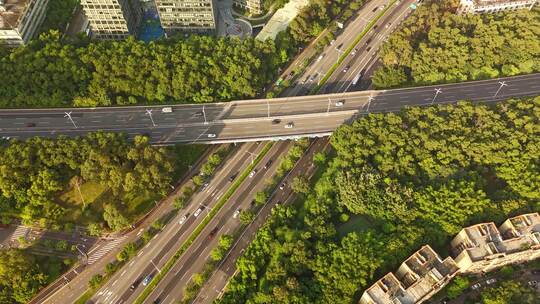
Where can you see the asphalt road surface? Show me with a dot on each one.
(170, 290)
(165, 244)
(219, 279)
(251, 120)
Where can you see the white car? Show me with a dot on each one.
(182, 219)
(476, 286)
(340, 103)
(198, 212)
(252, 173)
(166, 110)
(211, 135)
(532, 283)
(320, 58)
(236, 213)
(491, 281)
(353, 52)
(289, 125)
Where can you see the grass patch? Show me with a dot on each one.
(146, 292)
(356, 223)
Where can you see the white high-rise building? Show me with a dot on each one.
(493, 6)
(186, 15)
(112, 19)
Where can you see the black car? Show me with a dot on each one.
(276, 121)
(232, 177)
(135, 284)
(268, 163)
(368, 41)
(198, 114)
(213, 233)
(157, 301)
(30, 124)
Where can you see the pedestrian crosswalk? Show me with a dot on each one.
(19, 231)
(97, 254)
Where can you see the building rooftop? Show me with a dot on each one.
(520, 225)
(10, 13)
(417, 277)
(480, 240)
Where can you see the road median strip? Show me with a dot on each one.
(170, 263)
(352, 46)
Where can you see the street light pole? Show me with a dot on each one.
(502, 84)
(370, 98)
(204, 114)
(328, 109)
(437, 92)
(68, 115)
(149, 113)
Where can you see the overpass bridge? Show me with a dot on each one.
(253, 120)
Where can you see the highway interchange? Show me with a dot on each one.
(247, 121)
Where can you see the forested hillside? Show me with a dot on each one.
(45, 179)
(398, 181)
(435, 45)
(51, 71)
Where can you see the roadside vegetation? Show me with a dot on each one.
(102, 180)
(436, 45)
(22, 274)
(51, 71)
(398, 181)
(58, 14)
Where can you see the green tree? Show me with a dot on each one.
(115, 220)
(300, 185)
(457, 287)
(246, 217)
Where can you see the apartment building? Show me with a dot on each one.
(417, 279)
(20, 20)
(112, 19)
(186, 16)
(482, 248)
(253, 6)
(493, 6)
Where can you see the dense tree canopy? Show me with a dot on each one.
(34, 171)
(51, 71)
(509, 292)
(435, 45)
(399, 181)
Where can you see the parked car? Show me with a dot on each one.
(491, 281)
(476, 286)
(532, 283)
(147, 280)
(282, 186)
(182, 219)
(236, 213)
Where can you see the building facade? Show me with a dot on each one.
(493, 6)
(20, 20)
(476, 249)
(186, 16)
(482, 248)
(112, 19)
(253, 6)
(417, 279)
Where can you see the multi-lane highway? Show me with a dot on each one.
(170, 290)
(160, 249)
(226, 269)
(255, 119)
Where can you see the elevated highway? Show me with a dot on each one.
(250, 120)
